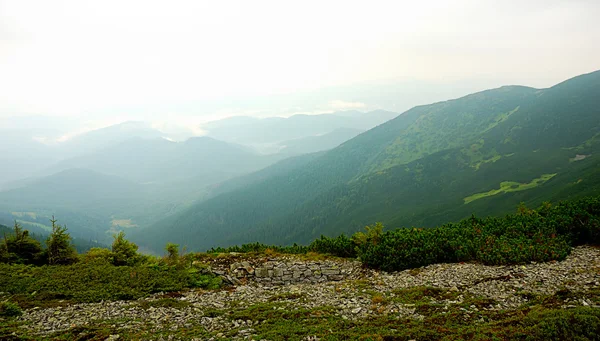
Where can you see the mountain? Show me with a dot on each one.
(105, 137)
(74, 188)
(257, 132)
(483, 153)
(27, 149)
(318, 143)
(162, 161)
(22, 156)
(131, 184)
(84, 199)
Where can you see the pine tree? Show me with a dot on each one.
(124, 252)
(20, 247)
(60, 249)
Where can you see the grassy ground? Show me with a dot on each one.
(45, 286)
(543, 318)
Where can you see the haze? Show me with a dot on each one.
(188, 62)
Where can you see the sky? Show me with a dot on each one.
(183, 62)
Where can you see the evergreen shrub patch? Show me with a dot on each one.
(547, 233)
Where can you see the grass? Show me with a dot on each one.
(492, 160)
(45, 286)
(510, 186)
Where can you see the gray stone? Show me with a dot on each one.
(246, 266)
(261, 272)
(328, 272)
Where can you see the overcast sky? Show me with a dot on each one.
(158, 60)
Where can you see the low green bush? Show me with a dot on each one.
(260, 248)
(98, 255)
(582, 323)
(341, 246)
(545, 234)
(9, 309)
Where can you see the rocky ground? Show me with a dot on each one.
(242, 312)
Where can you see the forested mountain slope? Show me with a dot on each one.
(163, 161)
(482, 153)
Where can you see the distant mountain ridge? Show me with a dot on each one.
(255, 131)
(318, 143)
(501, 146)
(133, 183)
(160, 160)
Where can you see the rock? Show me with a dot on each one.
(261, 272)
(246, 266)
(496, 283)
(328, 272)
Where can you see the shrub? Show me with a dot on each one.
(371, 237)
(124, 252)
(545, 234)
(8, 309)
(172, 252)
(578, 324)
(98, 255)
(260, 248)
(60, 249)
(341, 246)
(20, 248)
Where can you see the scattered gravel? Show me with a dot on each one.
(350, 298)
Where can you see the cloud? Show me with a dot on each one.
(76, 57)
(344, 105)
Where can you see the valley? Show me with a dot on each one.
(299, 170)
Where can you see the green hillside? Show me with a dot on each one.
(431, 164)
